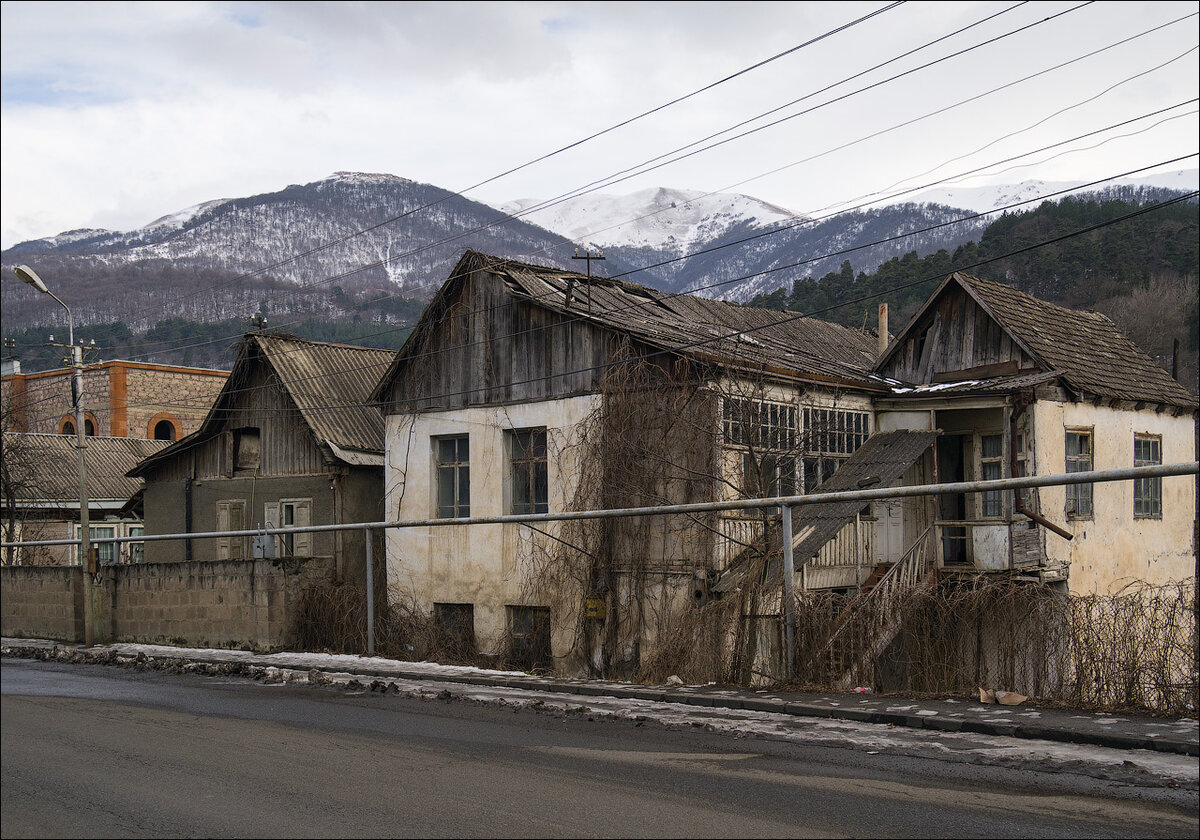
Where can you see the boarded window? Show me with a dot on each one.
(529, 629)
(246, 449)
(457, 625)
(231, 516)
(452, 458)
(1079, 459)
(528, 479)
(1147, 492)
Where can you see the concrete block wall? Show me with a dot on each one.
(230, 604)
(42, 602)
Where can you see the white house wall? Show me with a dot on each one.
(1113, 548)
(477, 564)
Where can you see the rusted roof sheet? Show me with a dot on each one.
(991, 385)
(720, 331)
(880, 462)
(45, 468)
(1095, 357)
(330, 384)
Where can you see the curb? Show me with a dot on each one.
(685, 696)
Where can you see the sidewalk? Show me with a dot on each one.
(1028, 720)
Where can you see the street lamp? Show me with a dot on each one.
(91, 591)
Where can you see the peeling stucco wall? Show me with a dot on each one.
(1113, 548)
(478, 564)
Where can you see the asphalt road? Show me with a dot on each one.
(89, 751)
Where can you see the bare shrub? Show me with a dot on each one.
(332, 617)
(1133, 650)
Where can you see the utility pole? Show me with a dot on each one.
(589, 256)
(92, 591)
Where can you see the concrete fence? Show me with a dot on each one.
(229, 604)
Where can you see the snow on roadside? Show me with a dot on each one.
(1139, 767)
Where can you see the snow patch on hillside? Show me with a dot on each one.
(660, 218)
(174, 221)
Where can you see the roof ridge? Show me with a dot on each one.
(313, 342)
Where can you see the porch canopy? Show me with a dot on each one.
(880, 462)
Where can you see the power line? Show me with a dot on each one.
(569, 146)
(813, 157)
(734, 334)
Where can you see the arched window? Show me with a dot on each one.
(66, 425)
(163, 426)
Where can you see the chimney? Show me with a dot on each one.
(883, 328)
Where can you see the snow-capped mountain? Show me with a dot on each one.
(357, 245)
(989, 198)
(348, 233)
(663, 219)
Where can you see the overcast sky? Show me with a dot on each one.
(114, 114)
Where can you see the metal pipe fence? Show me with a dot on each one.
(786, 502)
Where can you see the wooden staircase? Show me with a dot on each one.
(874, 616)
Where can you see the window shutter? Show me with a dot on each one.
(271, 515)
(302, 544)
(223, 525)
(227, 454)
(237, 522)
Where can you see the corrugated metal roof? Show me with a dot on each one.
(880, 462)
(330, 384)
(46, 467)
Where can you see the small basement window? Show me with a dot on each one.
(529, 630)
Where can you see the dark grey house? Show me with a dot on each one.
(290, 440)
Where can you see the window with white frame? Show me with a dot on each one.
(135, 552)
(768, 434)
(529, 488)
(452, 458)
(760, 425)
(287, 513)
(1147, 492)
(104, 551)
(830, 437)
(1079, 459)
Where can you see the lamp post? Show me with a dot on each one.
(91, 591)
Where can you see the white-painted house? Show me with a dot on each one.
(1018, 386)
(529, 389)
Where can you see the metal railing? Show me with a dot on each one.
(783, 503)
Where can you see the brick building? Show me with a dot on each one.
(120, 399)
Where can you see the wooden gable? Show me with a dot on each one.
(479, 344)
(253, 399)
(953, 338)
